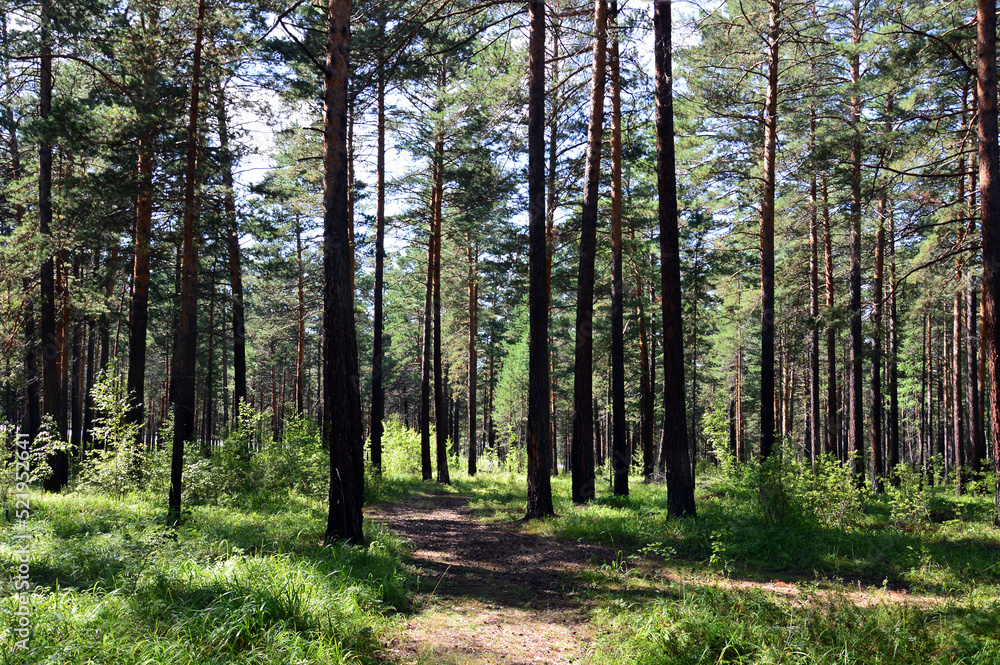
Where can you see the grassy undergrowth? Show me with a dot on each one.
(691, 590)
(111, 585)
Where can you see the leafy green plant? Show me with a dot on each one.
(907, 498)
(118, 458)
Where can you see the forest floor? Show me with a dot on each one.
(489, 589)
(488, 592)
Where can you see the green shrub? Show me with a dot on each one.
(908, 498)
(118, 461)
(400, 448)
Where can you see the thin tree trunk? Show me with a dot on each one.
(186, 350)
(425, 359)
(235, 261)
(876, 383)
(583, 373)
(33, 411)
(440, 378)
(300, 340)
(831, 339)
(958, 426)
(538, 444)
(473, 258)
(674, 461)
(50, 345)
(378, 351)
(621, 456)
(645, 390)
(139, 313)
(893, 446)
(767, 235)
(813, 440)
(342, 399)
(856, 431)
(207, 418)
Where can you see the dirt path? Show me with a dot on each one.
(489, 593)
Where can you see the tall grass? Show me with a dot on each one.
(111, 585)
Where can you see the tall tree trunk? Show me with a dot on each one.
(977, 433)
(893, 447)
(342, 399)
(378, 351)
(33, 411)
(135, 384)
(91, 370)
(831, 337)
(78, 370)
(440, 374)
(300, 339)
(207, 416)
(538, 444)
(767, 423)
(583, 372)
(50, 344)
(813, 440)
(550, 228)
(957, 401)
(855, 430)
(876, 383)
(674, 461)
(473, 259)
(235, 261)
(621, 456)
(645, 391)
(186, 349)
(425, 358)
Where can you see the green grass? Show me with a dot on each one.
(111, 585)
(249, 582)
(688, 591)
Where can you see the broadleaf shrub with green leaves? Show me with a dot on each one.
(117, 461)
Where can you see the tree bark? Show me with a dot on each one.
(425, 358)
(813, 443)
(538, 444)
(235, 262)
(855, 430)
(473, 258)
(378, 351)
(440, 402)
(876, 376)
(767, 395)
(831, 338)
(621, 456)
(135, 384)
(300, 338)
(51, 381)
(674, 461)
(342, 398)
(183, 373)
(583, 367)
(893, 447)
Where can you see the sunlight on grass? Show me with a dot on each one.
(228, 587)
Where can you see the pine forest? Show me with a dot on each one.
(499, 331)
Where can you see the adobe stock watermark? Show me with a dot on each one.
(21, 579)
